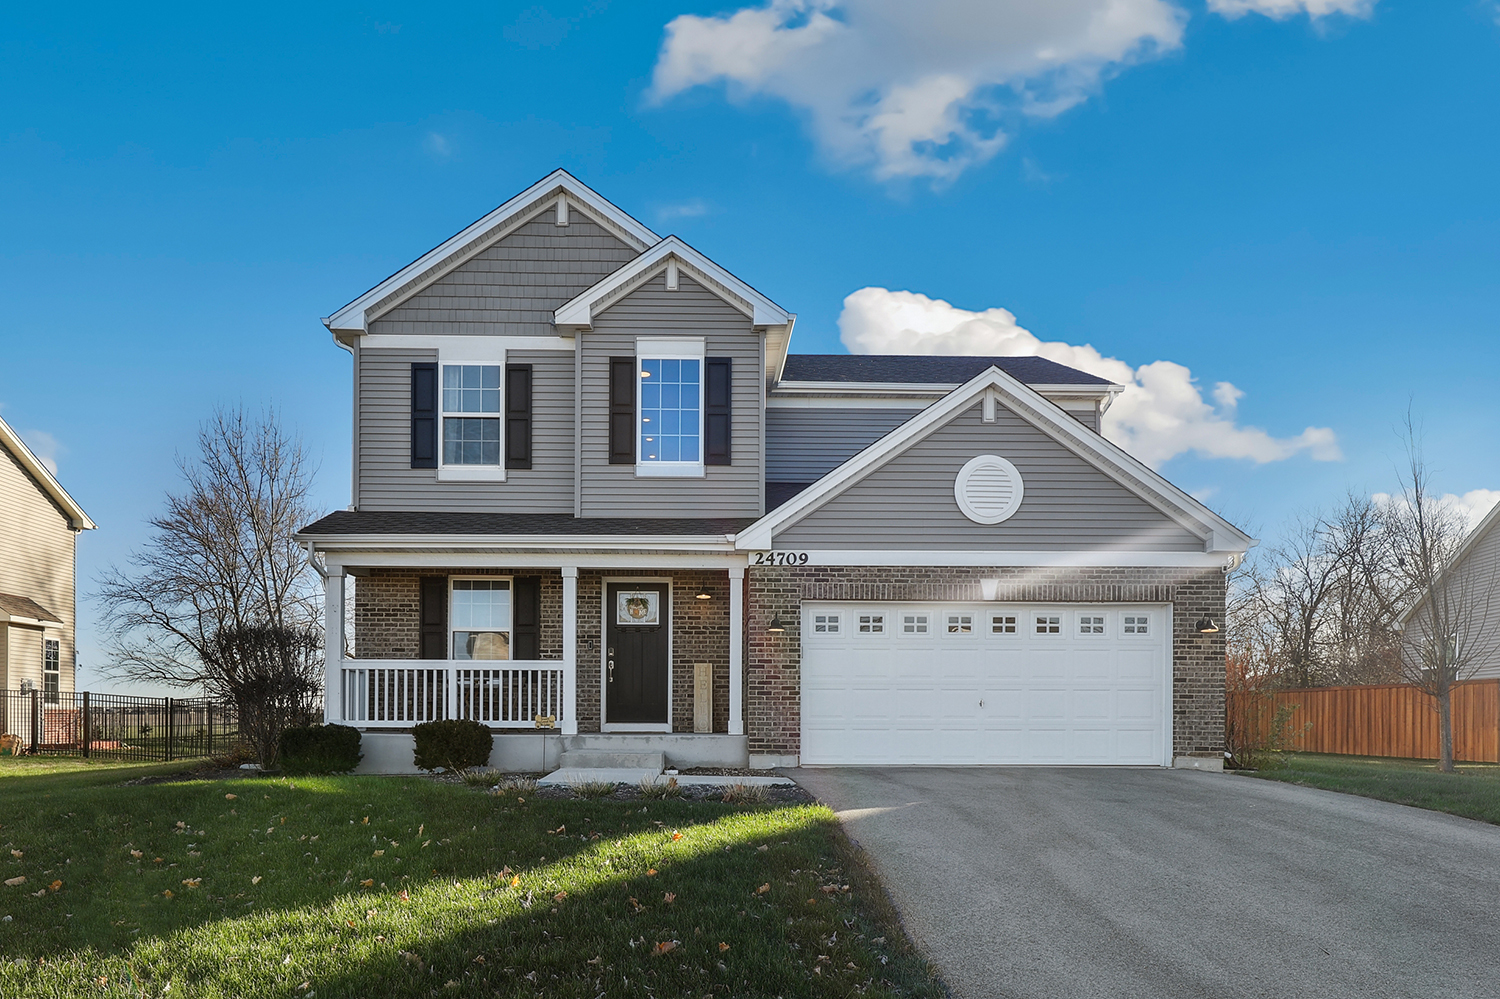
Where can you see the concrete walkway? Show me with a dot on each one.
(1071, 883)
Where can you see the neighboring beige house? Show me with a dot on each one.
(39, 525)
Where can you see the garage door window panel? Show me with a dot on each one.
(1002, 624)
(1049, 624)
(1138, 625)
(872, 624)
(960, 624)
(915, 624)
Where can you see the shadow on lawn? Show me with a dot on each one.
(465, 930)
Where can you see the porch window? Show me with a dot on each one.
(51, 671)
(480, 618)
(471, 414)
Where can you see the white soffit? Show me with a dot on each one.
(355, 316)
(1217, 533)
(579, 313)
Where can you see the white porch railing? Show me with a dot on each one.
(400, 693)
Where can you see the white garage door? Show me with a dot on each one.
(984, 684)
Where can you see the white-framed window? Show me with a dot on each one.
(669, 407)
(1002, 624)
(51, 670)
(960, 624)
(471, 409)
(826, 623)
(1048, 624)
(914, 624)
(1091, 624)
(1136, 624)
(872, 624)
(479, 617)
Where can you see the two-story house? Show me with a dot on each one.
(592, 484)
(39, 527)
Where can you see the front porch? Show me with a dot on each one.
(416, 656)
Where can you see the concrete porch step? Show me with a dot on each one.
(568, 776)
(611, 759)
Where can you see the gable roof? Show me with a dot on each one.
(1217, 533)
(1489, 523)
(12, 442)
(930, 369)
(453, 251)
(761, 310)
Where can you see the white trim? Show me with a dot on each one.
(78, 520)
(562, 210)
(1092, 558)
(1480, 530)
(354, 316)
(935, 389)
(988, 461)
(461, 344)
(570, 649)
(426, 558)
(604, 609)
(736, 650)
(487, 354)
(761, 310)
(1218, 534)
(472, 473)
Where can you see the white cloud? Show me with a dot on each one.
(1280, 10)
(915, 89)
(438, 145)
(689, 209)
(1160, 414)
(45, 446)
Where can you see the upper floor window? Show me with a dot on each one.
(671, 411)
(471, 414)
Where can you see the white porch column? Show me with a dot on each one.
(333, 645)
(570, 649)
(736, 650)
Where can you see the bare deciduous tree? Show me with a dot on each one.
(221, 596)
(1454, 623)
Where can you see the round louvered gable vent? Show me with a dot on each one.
(988, 489)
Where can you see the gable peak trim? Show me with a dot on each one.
(11, 442)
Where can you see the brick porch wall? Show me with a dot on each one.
(773, 661)
(386, 626)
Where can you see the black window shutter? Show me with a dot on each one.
(622, 411)
(718, 386)
(526, 619)
(424, 415)
(518, 416)
(434, 616)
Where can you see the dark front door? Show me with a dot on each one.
(636, 673)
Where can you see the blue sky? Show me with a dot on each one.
(1300, 203)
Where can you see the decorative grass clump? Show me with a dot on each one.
(747, 794)
(593, 788)
(656, 788)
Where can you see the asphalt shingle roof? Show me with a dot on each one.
(18, 606)
(418, 522)
(928, 369)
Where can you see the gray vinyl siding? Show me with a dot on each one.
(388, 482)
(514, 286)
(803, 445)
(725, 491)
(908, 503)
(1473, 604)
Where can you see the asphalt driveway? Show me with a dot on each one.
(1069, 883)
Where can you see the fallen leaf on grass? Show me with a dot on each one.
(404, 896)
(515, 882)
(17, 854)
(364, 822)
(830, 889)
(676, 836)
(137, 854)
(156, 860)
(167, 892)
(230, 797)
(559, 896)
(40, 892)
(182, 825)
(763, 888)
(663, 947)
(13, 882)
(303, 987)
(193, 882)
(478, 958)
(723, 947)
(637, 905)
(669, 897)
(255, 880)
(378, 853)
(762, 848)
(559, 829)
(55, 885)
(650, 872)
(597, 960)
(367, 883)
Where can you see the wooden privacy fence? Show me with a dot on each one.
(1388, 719)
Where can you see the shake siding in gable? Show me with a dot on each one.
(513, 287)
(651, 311)
(38, 561)
(388, 482)
(908, 503)
(803, 445)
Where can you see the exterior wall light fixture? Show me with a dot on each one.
(703, 593)
(776, 627)
(1206, 626)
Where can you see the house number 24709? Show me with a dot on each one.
(780, 558)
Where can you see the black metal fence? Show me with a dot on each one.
(116, 726)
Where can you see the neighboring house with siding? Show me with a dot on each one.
(592, 484)
(1467, 598)
(39, 527)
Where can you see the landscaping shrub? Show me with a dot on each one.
(452, 745)
(656, 788)
(319, 749)
(593, 788)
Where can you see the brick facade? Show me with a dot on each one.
(773, 661)
(387, 605)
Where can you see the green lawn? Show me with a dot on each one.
(110, 770)
(365, 886)
(1473, 792)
